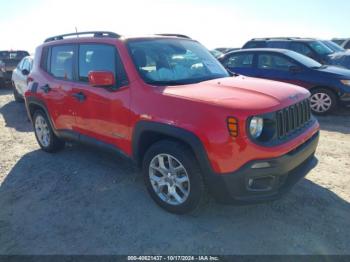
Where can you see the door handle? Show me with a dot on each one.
(80, 96)
(46, 88)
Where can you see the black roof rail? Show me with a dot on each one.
(274, 38)
(176, 35)
(281, 38)
(94, 33)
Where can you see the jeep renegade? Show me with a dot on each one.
(167, 103)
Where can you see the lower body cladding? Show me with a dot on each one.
(264, 180)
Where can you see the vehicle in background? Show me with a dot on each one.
(343, 42)
(334, 46)
(20, 77)
(169, 105)
(310, 47)
(216, 53)
(329, 85)
(226, 49)
(8, 62)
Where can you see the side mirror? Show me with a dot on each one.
(25, 72)
(101, 78)
(295, 69)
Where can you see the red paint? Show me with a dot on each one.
(101, 78)
(201, 108)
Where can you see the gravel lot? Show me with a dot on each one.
(84, 201)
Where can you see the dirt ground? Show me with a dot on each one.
(84, 201)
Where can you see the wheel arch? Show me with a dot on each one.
(147, 133)
(33, 105)
(329, 88)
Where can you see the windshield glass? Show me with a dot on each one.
(335, 47)
(320, 48)
(306, 61)
(15, 55)
(174, 61)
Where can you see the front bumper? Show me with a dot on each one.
(274, 177)
(345, 99)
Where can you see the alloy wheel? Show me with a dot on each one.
(169, 179)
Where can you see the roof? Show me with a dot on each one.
(283, 39)
(274, 50)
(106, 34)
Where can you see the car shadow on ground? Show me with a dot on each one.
(15, 116)
(338, 121)
(84, 201)
(5, 90)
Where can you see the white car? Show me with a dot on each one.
(19, 77)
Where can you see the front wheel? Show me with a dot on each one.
(173, 177)
(44, 134)
(322, 101)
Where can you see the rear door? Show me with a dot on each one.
(56, 86)
(275, 67)
(102, 112)
(240, 63)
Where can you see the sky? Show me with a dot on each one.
(215, 23)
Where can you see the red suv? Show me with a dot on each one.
(167, 103)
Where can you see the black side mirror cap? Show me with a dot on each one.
(25, 72)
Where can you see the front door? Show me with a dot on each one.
(102, 113)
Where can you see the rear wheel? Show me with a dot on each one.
(322, 101)
(173, 177)
(44, 134)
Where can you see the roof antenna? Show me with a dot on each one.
(76, 31)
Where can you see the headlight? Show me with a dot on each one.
(345, 82)
(256, 126)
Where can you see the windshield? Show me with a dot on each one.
(174, 61)
(335, 47)
(15, 55)
(306, 61)
(320, 48)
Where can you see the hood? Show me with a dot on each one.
(336, 71)
(241, 93)
(340, 59)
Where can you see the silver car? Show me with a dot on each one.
(19, 77)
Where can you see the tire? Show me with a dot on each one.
(46, 138)
(323, 101)
(16, 95)
(178, 154)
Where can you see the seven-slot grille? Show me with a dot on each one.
(292, 118)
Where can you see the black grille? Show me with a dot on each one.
(292, 118)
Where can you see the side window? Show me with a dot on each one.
(61, 64)
(277, 44)
(274, 62)
(347, 45)
(255, 44)
(100, 57)
(301, 48)
(240, 60)
(20, 65)
(25, 65)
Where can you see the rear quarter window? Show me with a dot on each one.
(255, 44)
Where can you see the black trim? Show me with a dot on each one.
(284, 172)
(87, 140)
(77, 34)
(39, 103)
(171, 131)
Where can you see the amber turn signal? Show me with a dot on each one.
(232, 125)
